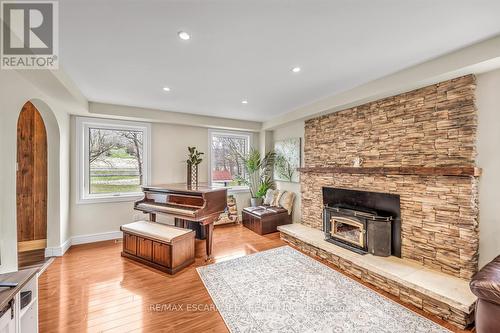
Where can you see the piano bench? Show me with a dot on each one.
(265, 219)
(164, 247)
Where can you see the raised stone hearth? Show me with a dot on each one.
(440, 294)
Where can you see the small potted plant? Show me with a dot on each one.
(258, 174)
(194, 159)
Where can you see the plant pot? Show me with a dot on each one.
(192, 175)
(255, 202)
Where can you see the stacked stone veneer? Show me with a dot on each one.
(429, 127)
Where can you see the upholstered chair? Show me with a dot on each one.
(485, 284)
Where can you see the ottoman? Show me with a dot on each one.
(164, 247)
(265, 219)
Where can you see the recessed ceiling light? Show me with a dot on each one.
(184, 35)
(296, 69)
(166, 88)
(244, 102)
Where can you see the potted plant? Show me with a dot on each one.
(258, 174)
(194, 159)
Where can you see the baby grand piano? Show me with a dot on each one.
(202, 204)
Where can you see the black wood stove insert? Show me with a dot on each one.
(363, 222)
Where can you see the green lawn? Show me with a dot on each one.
(114, 177)
(111, 188)
(114, 184)
(120, 153)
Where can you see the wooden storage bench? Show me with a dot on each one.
(164, 247)
(265, 219)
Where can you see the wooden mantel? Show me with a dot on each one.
(419, 171)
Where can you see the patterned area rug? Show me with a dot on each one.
(283, 290)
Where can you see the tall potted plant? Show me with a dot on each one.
(194, 159)
(258, 173)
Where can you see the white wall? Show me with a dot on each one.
(15, 91)
(488, 146)
(292, 130)
(168, 154)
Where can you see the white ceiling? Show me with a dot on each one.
(124, 52)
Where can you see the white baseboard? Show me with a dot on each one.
(58, 251)
(92, 238)
(82, 239)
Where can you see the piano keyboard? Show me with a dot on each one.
(166, 209)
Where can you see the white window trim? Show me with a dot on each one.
(82, 150)
(211, 132)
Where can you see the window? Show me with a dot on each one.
(113, 159)
(226, 166)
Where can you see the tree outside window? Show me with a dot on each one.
(227, 166)
(112, 159)
(115, 161)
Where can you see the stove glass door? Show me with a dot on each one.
(349, 230)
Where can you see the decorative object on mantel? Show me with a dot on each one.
(357, 161)
(257, 173)
(288, 156)
(304, 295)
(417, 171)
(193, 161)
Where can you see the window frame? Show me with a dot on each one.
(82, 127)
(246, 135)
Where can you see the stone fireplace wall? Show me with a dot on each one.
(430, 127)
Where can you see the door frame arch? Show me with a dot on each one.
(53, 175)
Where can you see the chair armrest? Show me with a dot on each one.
(485, 284)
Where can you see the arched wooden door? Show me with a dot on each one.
(31, 186)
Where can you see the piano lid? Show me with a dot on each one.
(182, 187)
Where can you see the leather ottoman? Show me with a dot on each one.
(265, 219)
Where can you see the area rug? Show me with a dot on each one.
(283, 290)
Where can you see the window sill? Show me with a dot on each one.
(237, 189)
(109, 199)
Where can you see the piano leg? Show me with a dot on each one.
(180, 223)
(209, 228)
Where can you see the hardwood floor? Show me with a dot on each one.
(92, 289)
